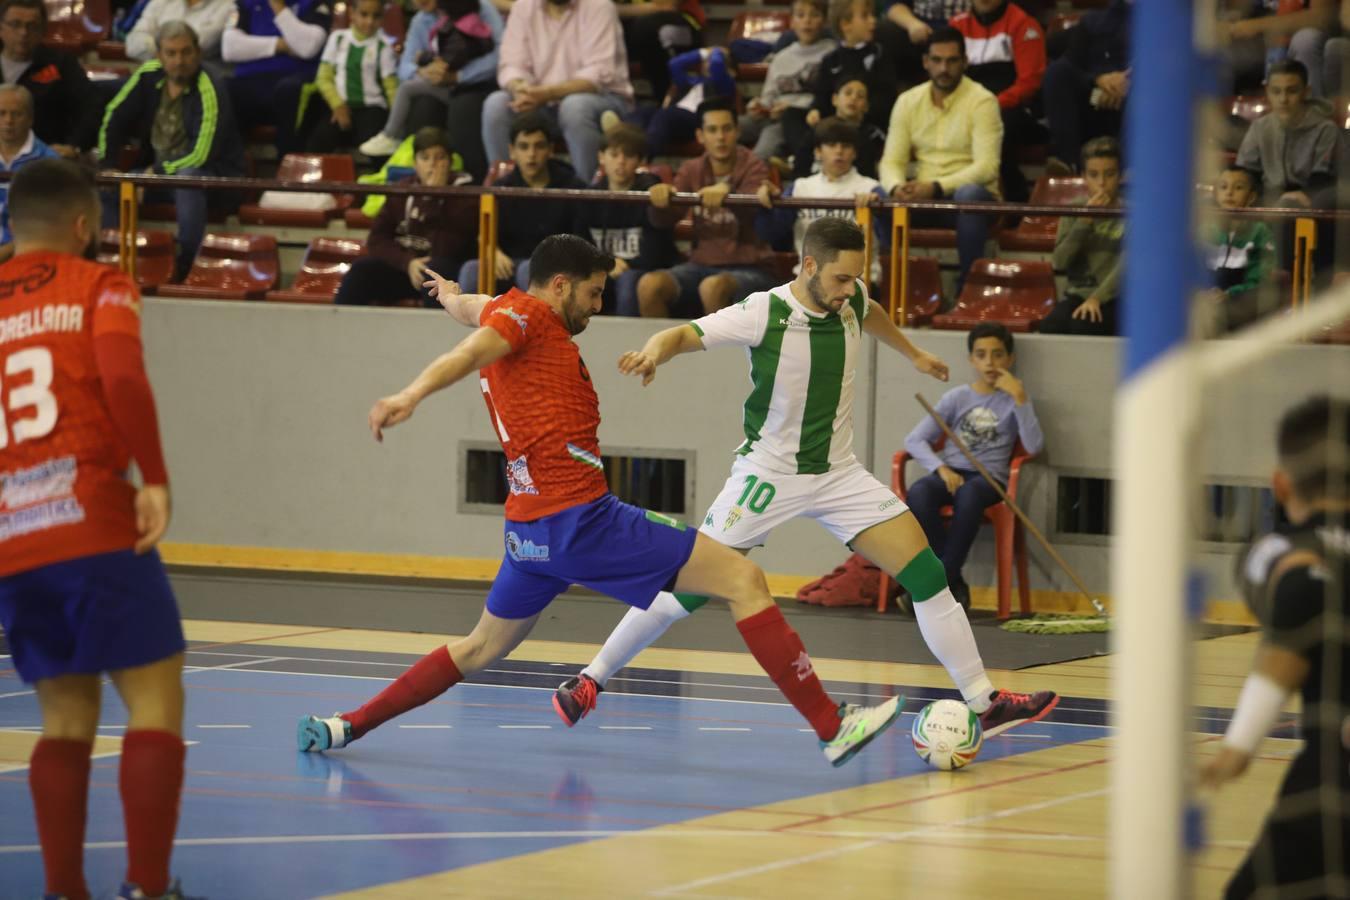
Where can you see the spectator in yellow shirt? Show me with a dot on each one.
(950, 130)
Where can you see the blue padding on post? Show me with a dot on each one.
(1159, 245)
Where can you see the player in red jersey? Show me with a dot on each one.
(82, 590)
(563, 527)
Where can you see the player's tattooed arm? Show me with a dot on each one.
(659, 349)
(878, 324)
(466, 309)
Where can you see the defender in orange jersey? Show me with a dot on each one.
(82, 591)
(563, 527)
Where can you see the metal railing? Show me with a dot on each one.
(1305, 231)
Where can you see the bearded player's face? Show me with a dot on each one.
(582, 302)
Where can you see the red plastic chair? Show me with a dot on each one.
(77, 26)
(1063, 22)
(1017, 293)
(154, 256)
(757, 25)
(326, 262)
(498, 171)
(231, 267)
(305, 168)
(1010, 542)
(394, 24)
(925, 289)
(1036, 234)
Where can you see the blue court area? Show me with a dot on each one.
(485, 772)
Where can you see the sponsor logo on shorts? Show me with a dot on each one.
(518, 478)
(24, 487)
(525, 551)
(888, 504)
(709, 521)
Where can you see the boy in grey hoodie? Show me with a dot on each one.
(1294, 145)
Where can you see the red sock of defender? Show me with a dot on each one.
(151, 780)
(430, 676)
(58, 776)
(778, 649)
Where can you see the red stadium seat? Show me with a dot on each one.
(760, 25)
(498, 171)
(1016, 293)
(925, 289)
(1010, 543)
(1249, 107)
(326, 262)
(1063, 22)
(115, 51)
(231, 267)
(154, 256)
(341, 15)
(355, 218)
(304, 168)
(1340, 111)
(394, 25)
(77, 26)
(1036, 234)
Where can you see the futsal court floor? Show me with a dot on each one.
(693, 779)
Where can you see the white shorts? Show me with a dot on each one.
(753, 502)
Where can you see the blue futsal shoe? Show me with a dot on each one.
(858, 726)
(130, 891)
(314, 734)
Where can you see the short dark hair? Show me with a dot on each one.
(946, 34)
(38, 5)
(841, 10)
(1313, 443)
(819, 6)
(627, 139)
(829, 236)
(567, 254)
(989, 330)
(1253, 175)
(430, 136)
(715, 104)
(836, 131)
(529, 123)
(1101, 148)
(48, 192)
(1288, 67)
(848, 78)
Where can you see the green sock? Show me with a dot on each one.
(924, 577)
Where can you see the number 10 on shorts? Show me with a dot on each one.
(757, 495)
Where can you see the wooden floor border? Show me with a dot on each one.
(476, 569)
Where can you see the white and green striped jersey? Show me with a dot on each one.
(803, 366)
(359, 66)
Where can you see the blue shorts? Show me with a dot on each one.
(608, 546)
(89, 615)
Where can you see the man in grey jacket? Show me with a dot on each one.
(1294, 145)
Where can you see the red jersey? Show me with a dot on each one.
(541, 399)
(63, 489)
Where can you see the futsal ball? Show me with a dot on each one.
(947, 734)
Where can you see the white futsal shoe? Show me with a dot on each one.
(315, 734)
(858, 725)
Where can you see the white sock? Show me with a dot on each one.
(635, 632)
(947, 632)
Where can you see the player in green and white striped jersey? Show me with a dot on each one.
(804, 340)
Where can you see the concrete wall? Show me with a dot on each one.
(263, 410)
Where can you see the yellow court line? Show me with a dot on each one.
(456, 568)
(1034, 825)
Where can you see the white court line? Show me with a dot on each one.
(224, 726)
(17, 694)
(426, 726)
(703, 728)
(654, 834)
(527, 727)
(236, 665)
(625, 728)
(875, 841)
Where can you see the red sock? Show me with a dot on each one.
(151, 779)
(58, 776)
(778, 649)
(429, 677)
